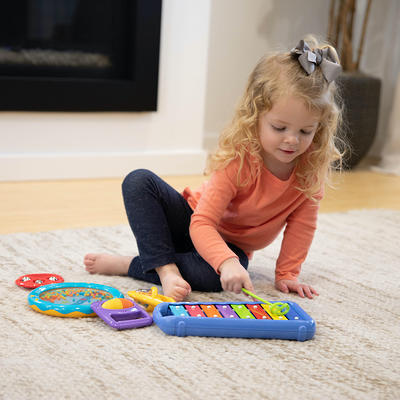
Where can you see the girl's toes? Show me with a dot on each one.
(90, 257)
(178, 297)
(90, 268)
(180, 293)
(88, 262)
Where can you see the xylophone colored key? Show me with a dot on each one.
(293, 315)
(258, 311)
(242, 311)
(194, 311)
(210, 311)
(179, 311)
(276, 317)
(226, 311)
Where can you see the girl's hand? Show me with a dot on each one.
(234, 276)
(286, 286)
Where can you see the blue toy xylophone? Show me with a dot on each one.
(245, 320)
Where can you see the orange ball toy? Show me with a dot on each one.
(117, 304)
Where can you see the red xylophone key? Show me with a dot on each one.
(194, 310)
(258, 311)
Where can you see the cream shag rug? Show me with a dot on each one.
(354, 263)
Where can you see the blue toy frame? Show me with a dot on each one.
(298, 325)
(75, 304)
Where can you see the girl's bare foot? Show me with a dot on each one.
(172, 282)
(107, 264)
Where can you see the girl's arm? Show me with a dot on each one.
(297, 239)
(214, 201)
(210, 245)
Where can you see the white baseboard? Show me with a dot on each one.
(23, 167)
(210, 141)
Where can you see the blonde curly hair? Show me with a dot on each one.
(274, 77)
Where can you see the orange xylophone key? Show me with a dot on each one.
(210, 311)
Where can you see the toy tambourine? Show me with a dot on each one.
(32, 281)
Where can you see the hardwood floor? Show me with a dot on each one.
(47, 205)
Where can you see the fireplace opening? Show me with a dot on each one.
(79, 55)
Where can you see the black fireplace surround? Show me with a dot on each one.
(79, 55)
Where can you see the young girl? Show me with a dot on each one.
(267, 175)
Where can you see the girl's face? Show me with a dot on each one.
(286, 131)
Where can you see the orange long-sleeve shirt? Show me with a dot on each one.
(251, 217)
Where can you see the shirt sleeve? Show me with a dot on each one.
(216, 197)
(297, 238)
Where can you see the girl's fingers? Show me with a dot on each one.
(283, 287)
(314, 291)
(300, 291)
(249, 286)
(293, 286)
(310, 292)
(307, 291)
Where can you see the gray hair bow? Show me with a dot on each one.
(323, 58)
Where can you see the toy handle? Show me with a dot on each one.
(154, 291)
(277, 308)
(255, 296)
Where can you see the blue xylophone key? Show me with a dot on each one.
(292, 315)
(179, 311)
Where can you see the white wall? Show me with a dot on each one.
(382, 60)
(169, 141)
(241, 32)
(208, 48)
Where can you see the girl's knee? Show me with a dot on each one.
(244, 260)
(198, 273)
(137, 180)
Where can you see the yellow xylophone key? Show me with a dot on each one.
(267, 308)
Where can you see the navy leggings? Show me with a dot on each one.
(159, 217)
